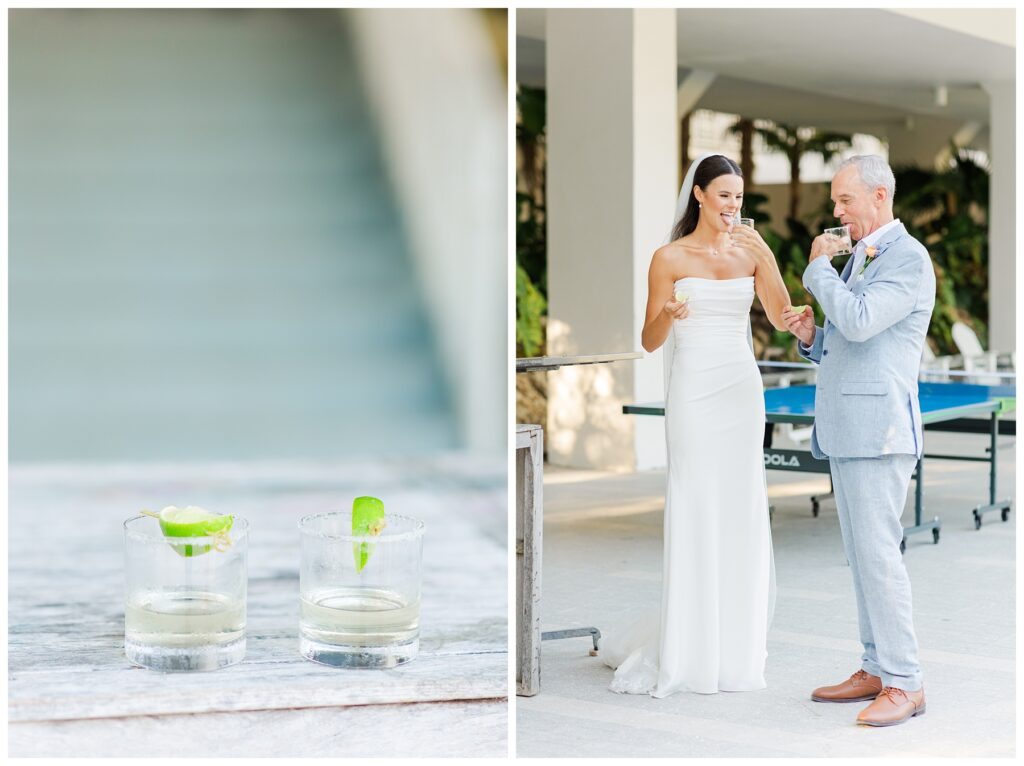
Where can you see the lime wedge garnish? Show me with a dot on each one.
(799, 309)
(193, 521)
(681, 298)
(367, 519)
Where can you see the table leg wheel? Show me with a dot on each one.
(935, 536)
(903, 545)
(977, 520)
(815, 508)
(1005, 514)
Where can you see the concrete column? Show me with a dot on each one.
(1002, 231)
(612, 158)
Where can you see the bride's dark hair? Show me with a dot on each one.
(711, 168)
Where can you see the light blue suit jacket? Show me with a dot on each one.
(869, 351)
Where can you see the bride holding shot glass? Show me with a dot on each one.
(718, 576)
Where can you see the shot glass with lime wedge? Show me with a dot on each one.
(359, 586)
(185, 589)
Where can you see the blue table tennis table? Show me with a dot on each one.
(956, 407)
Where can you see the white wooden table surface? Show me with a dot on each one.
(72, 692)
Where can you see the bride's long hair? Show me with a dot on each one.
(709, 169)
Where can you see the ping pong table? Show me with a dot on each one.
(956, 407)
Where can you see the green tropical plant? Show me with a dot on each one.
(794, 143)
(755, 206)
(531, 126)
(531, 240)
(947, 211)
(531, 306)
(531, 228)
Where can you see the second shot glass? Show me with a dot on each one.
(360, 594)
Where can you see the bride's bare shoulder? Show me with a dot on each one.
(674, 250)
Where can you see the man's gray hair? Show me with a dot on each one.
(873, 170)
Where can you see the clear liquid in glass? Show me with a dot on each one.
(359, 627)
(179, 629)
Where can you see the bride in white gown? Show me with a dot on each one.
(718, 574)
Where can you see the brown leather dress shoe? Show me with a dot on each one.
(859, 687)
(893, 706)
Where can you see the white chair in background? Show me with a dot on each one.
(976, 358)
(935, 368)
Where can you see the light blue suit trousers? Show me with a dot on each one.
(870, 494)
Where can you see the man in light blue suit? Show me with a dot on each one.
(868, 421)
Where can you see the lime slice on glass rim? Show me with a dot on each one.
(367, 519)
(193, 521)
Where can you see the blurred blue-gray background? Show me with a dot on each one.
(228, 242)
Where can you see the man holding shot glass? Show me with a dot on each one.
(868, 421)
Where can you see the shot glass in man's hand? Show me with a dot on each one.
(826, 245)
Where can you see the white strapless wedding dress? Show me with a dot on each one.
(718, 589)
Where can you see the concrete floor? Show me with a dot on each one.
(602, 564)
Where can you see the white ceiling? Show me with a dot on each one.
(847, 69)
